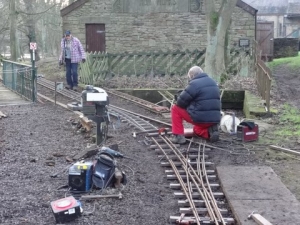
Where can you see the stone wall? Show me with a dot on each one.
(286, 47)
(141, 25)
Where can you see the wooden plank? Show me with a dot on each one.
(198, 203)
(184, 177)
(86, 154)
(2, 115)
(177, 186)
(284, 150)
(260, 220)
(86, 123)
(51, 100)
(182, 195)
(200, 211)
(209, 172)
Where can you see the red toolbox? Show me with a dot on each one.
(245, 133)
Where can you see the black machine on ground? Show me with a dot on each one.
(80, 176)
(93, 105)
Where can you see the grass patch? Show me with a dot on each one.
(289, 122)
(291, 62)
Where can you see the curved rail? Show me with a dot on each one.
(194, 182)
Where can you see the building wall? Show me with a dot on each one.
(292, 27)
(144, 25)
(283, 26)
(278, 23)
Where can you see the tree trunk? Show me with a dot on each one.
(31, 23)
(13, 30)
(218, 23)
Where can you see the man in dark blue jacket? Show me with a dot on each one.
(199, 104)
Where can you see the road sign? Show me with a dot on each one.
(32, 45)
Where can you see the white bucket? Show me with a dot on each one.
(227, 121)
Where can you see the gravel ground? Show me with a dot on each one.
(32, 135)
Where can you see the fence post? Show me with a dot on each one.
(4, 73)
(108, 58)
(23, 82)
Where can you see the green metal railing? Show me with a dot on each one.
(20, 78)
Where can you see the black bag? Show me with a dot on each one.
(104, 170)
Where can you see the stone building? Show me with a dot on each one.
(144, 25)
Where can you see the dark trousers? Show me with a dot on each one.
(71, 74)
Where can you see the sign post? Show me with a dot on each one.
(33, 47)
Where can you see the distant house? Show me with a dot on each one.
(285, 14)
(145, 25)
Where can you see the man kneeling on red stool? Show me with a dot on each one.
(199, 104)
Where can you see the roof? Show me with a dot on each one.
(242, 4)
(293, 9)
(72, 7)
(275, 6)
(248, 8)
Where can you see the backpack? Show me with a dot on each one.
(103, 170)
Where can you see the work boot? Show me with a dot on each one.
(68, 87)
(213, 132)
(75, 88)
(178, 139)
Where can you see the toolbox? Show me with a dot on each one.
(246, 133)
(66, 209)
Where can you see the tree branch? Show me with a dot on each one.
(227, 9)
(32, 14)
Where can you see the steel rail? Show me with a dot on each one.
(212, 199)
(141, 102)
(76, 96)
(51, 85)
(201, 173)
(187, 167)
(142, 116)
(183, 186)
(196, 178)
(135, 120)
(167, 96)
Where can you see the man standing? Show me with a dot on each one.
(71, 54)
(199, 104)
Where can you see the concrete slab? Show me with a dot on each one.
(260, 189)
(8, 97)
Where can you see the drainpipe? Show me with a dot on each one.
(255, 25)
(284, 26)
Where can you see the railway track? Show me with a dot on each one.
(191, 176)
(194, 182)
(140, 102)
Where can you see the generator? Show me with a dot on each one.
(80, 176)
(247, 131)
(66, 209)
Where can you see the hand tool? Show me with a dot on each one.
(91, 197)
(114, 153)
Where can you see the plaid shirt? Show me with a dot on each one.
(77, 51)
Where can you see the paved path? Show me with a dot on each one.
(260, 189)
(8, 97)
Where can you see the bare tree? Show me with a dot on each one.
(218, 22)
(4, 25)
(41, 24)
(13, 30)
